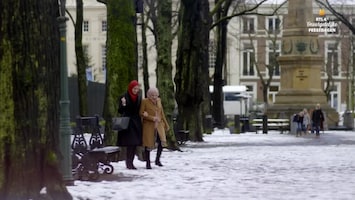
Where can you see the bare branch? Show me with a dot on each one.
(250, 12)
(338, 15)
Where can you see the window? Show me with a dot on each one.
(334, 96)
(103, 25)
(332, 59)
(273, 90)
(250, 88)
(103, 57)
(86, 26)
(248, 25)
(212, 54)
(273, 25)
(248, 58)
(86, 50)
(274, 50)
(86, 54)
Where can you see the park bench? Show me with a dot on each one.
(89, 161)
(271, 124)
(182, 136)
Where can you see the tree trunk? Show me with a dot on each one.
(218, 97)
(29, 101)
(80, 59)
(121, 58)
(191, 77)
(145, 55)
(164, 65)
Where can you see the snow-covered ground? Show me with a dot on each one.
(238, 166)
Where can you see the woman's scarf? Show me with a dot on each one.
(131, 85)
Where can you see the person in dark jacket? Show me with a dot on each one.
(129, 104)
(317, 119)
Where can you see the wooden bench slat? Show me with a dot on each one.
(281, 124)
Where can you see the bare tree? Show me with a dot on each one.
(341, 17)
(222, 15)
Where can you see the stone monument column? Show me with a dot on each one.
(301, 63)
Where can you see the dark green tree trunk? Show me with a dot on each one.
(121, 58)
(29, 101)
(164, 65)
(80, 59)
(191, 77)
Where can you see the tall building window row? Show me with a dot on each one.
(103, 57)
(103, 25)
(212, 50)
(85, 26)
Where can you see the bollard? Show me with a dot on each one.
(237, 123)
(348, 120)
(264, 124)
(208, 124)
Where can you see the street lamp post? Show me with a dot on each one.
(64, 124)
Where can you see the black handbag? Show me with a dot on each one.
(120, 123)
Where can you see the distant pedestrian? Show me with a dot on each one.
(317, 119)
(154, 125)
(306, 120)
(298, 118)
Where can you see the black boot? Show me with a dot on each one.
(130, 157)
(157, 158)
(147, 159)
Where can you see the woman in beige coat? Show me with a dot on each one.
(154, 125)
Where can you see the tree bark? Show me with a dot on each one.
(191, 77)
(145, 55)
(121, 58)
(164, 65)
(218, 82)
(29, 101)
(80, 59)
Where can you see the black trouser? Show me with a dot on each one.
(159, 150)
(131, 152)
(157, 158)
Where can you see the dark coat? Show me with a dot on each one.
(317, 116)
(133, 135)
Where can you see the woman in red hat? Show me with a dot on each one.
(129, 104)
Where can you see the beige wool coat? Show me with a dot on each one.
(149, 124)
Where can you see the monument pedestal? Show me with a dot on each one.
(301, 64)
(301, 88)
